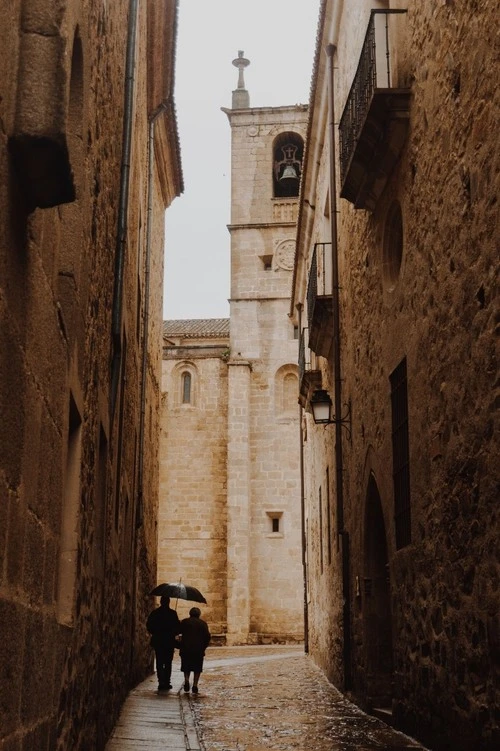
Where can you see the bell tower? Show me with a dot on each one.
(263, 480)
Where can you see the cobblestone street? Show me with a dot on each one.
(274, 698)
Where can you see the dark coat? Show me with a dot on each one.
(164, 625)
(195, 637)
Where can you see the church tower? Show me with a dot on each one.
(264, 559)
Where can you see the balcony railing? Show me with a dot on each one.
(309, 375)
(374, 122)
(319, 299)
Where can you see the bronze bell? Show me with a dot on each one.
(289, 175)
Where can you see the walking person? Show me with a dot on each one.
(195, 637)
(163, 624)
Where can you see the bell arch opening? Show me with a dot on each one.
(377, 619)
(288, 152)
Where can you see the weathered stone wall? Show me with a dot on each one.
(440, 313)
(192, 534)
(77, 539)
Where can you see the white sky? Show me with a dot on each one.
(278, 37)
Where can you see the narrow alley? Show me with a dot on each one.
(269, 698)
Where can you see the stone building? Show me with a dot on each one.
(192, 537)
(395, 294)
(230, 498)
(88, 164)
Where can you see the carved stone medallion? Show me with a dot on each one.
(284, 254)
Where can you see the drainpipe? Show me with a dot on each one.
(144, 365)
(121, 239)
(337, 378)
(147, 278)
(302, 509)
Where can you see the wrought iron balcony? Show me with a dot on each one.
(309, 377)
(319, 300)
(374, 122)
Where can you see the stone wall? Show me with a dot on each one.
(437, 310)
(192, 523)
(77, 517)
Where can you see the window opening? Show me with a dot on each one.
(69, 519)
(401, 455)
(100, 511)
(393, 244)
(121, 417)
(186, 388)
(275, 525)
(320, 532)
(328, 516)
(288, 152)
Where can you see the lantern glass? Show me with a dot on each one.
(321, 405)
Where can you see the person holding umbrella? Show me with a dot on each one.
(163, 624)
(195, 637)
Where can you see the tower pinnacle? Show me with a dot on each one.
(241, 97)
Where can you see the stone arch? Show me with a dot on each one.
(286, 391)
(377, 618)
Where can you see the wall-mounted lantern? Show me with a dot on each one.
(321, 405)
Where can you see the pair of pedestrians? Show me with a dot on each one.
(191, 636)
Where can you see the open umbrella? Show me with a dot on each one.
(180, 591)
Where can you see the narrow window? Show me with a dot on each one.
(139, 282)
(100, 505)
(69, 521)
(401, 455)
(121, 417)
(186, 388)
(295, 332)
(275, 526)
(320, 532)
(393, 245)
(328, 517)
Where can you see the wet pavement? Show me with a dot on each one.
(263, 698)
(276, 699)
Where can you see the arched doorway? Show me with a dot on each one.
(377, 619)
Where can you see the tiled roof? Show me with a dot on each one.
(199, 327)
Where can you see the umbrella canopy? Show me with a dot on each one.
(180, 591)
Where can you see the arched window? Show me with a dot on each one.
(290, 392)
(288, 152)
(286, 392)
(186, 388)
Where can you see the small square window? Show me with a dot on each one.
(275, 528)
(267, 262)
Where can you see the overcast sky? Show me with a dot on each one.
(278, 37)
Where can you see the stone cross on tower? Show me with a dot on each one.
(241, 97)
